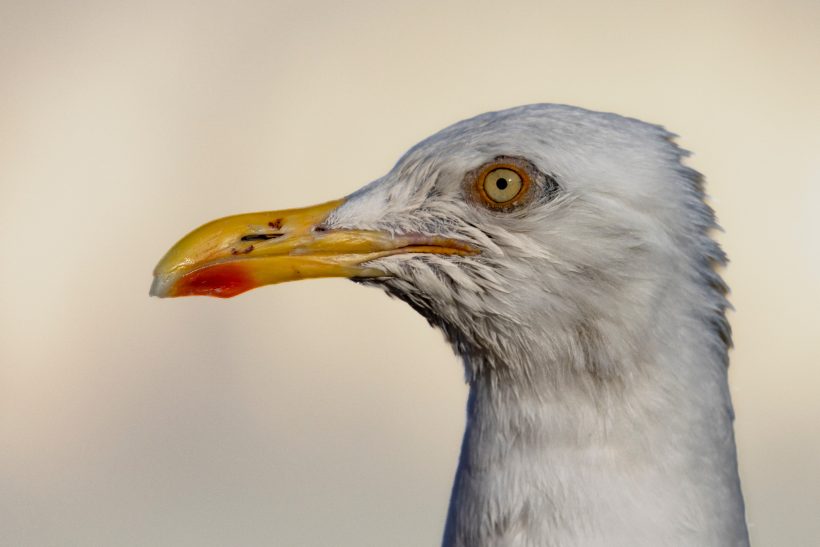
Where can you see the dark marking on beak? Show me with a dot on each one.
(276, 224)
(260, 237)
(244, 251)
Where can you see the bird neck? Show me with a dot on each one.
(644, 460)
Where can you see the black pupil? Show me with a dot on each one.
(501, 184)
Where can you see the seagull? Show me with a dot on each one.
(566, 256)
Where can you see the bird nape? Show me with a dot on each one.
(566, 256)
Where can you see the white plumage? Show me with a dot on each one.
(591, 327)
(566, 256)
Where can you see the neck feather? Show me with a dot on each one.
(646, 458)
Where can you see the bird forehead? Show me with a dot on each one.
(556, 138)
(600, 153)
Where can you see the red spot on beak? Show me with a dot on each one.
(220, 280)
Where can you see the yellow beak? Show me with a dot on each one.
(234, 254)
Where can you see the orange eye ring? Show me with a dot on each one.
(502, 183)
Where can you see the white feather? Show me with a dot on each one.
(591, 326)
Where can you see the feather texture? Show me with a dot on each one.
(592, 329)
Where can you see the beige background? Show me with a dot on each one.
(322, 413)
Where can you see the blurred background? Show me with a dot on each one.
(323, 413)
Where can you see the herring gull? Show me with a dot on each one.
(566, 256)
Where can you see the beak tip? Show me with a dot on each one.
(160, 287)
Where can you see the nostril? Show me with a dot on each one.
(260, 237)
(319, 228)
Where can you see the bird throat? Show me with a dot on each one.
(595, 433)
(621, 464)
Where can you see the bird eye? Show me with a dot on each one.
(502, 185)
